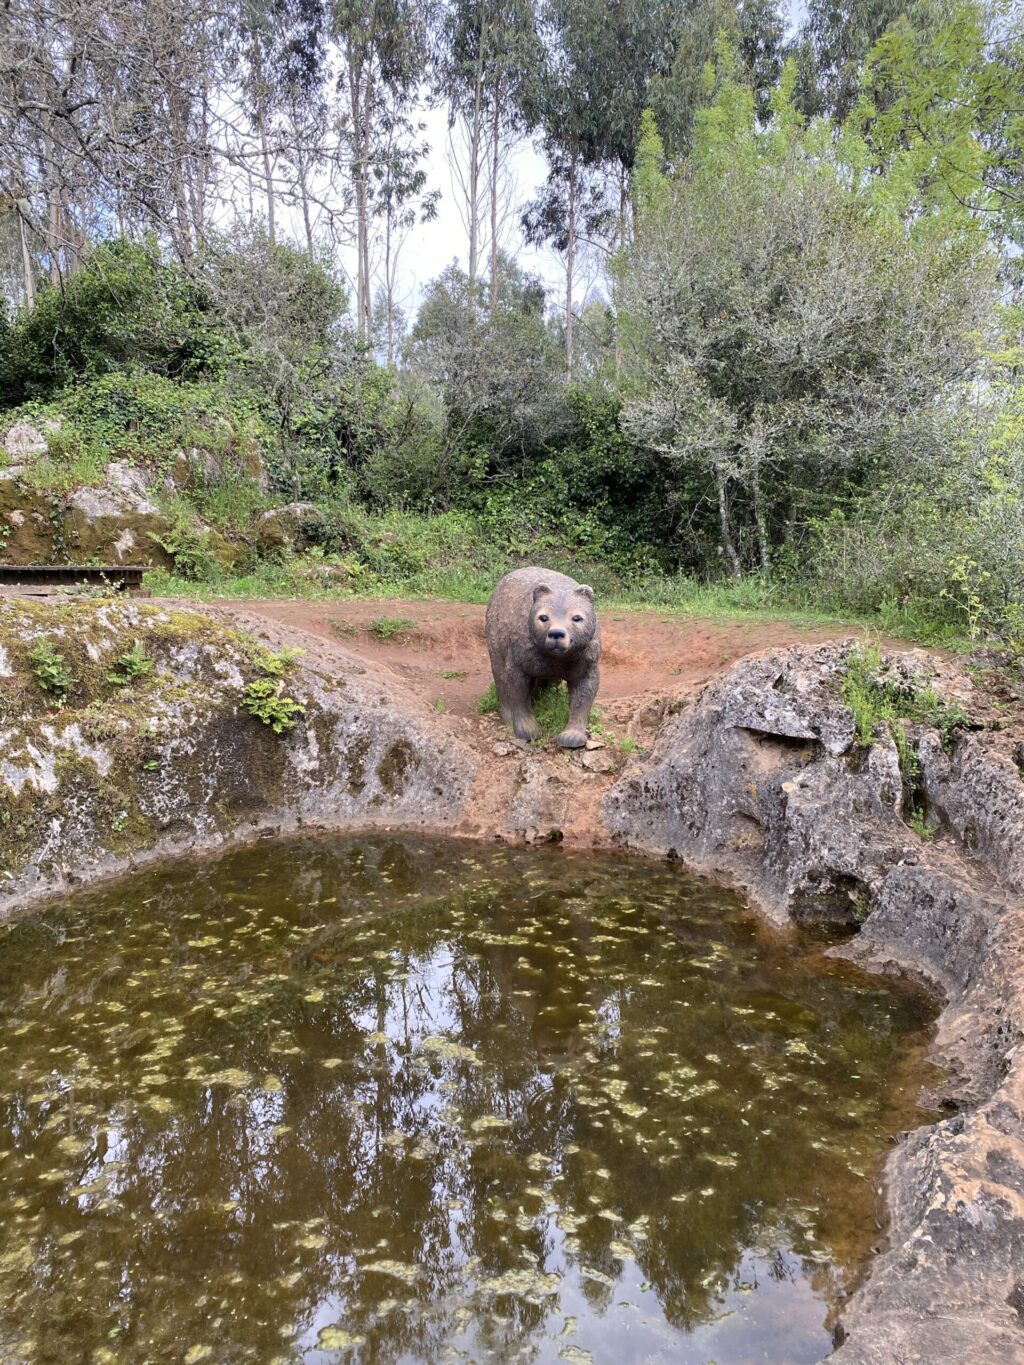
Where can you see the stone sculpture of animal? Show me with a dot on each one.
(542, 628)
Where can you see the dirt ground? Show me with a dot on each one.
(441, 655)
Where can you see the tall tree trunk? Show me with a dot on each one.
(26, 261)
(360, 98)
(300, 166)
(760, 520)
(621, 245)
(570, 269)
(53, 235)
(389, 287)
(268, 179)
(495, 148)
(728, 544)
(261, 129)
(474, 182)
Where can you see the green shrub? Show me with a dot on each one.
(125, 309)
(51, 672)
(187, 543)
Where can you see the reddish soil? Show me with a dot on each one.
(442, 655)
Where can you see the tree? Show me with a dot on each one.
(943, 111)
(382, 46)
(792, 324)
(498, 374)
(400, 200)
(753, 29)
(487, 57)
(104, 122)
(835, 42)
(281, 312)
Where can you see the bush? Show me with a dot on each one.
(124, 310)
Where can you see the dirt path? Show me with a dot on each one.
(441, 655)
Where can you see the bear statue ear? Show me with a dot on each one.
(585, 590)
(541, 590)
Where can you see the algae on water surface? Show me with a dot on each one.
(372, 1099)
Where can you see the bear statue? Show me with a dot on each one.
(542, 628)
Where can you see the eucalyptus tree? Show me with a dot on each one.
(752, 29)
(488, 54)
(587, 104)
(382, 53)
(401, 200)
(834, 43)
(104, 122)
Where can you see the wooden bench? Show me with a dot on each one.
(44, 580)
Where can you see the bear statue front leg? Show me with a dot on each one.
(514, 699)
(581, 698)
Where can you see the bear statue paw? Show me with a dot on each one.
(528, 732)
(571, 739)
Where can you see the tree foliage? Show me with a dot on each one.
(789, 329)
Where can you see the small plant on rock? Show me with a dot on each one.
(51, 672)
(264, 699)
(276, 665)
(877, 701)
(131, 666)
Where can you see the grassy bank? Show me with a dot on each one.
(752, 599)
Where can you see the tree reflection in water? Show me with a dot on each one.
(379, 1099)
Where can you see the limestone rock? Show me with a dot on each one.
(752, 781)
(757, 780)
(23, 442)
(116, 521)
(295, 526)
(365, 752)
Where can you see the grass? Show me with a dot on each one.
(391, 627)
(551, 708)
(488, 703)
(877, 701)
(880, 704)
(683, 597)
(454, 557)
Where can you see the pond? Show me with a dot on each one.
(383, 1100)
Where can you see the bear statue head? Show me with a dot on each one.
(562, 620)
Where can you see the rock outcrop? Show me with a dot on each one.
(295, 526)
(758, 780)
(113, 522)
(120, 774)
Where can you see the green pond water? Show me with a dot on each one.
(388, 1100)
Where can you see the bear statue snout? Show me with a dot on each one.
(556, 634)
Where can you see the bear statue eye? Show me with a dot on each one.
(543, 618)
